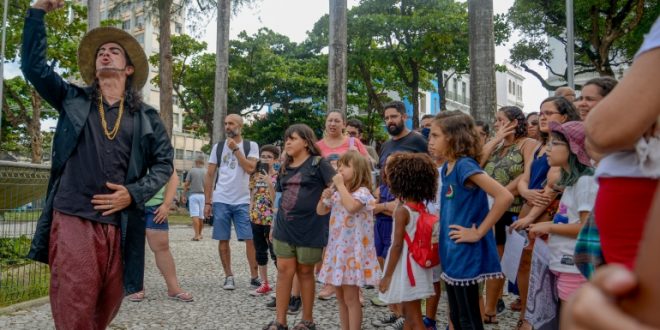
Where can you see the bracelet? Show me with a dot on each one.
(234, 150)
(208, 203)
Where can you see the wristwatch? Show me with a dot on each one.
(234, 150)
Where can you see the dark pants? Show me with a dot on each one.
(262, 244)
(464, 307)
(86, 288)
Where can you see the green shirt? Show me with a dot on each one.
(157, 199)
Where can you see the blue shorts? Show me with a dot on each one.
(149, 218)
(224, 215)
(383, 237)
(196, 205)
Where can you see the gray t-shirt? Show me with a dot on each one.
(196, 179)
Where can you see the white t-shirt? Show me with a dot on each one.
(233, 182)
(577, 198)
(644, 161)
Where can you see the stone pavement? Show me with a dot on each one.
(199, 272)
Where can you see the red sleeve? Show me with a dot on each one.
(360, 147)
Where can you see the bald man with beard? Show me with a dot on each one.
(228, 195)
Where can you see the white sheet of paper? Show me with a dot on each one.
(512, 253)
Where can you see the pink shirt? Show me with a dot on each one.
(343, 148)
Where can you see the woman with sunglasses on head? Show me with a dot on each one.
(533, 126)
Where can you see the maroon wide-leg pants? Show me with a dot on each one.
(86, 287)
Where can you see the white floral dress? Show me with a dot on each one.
(350, 256)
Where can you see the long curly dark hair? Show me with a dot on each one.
(514, 113)
(306, 134)
(412, 176)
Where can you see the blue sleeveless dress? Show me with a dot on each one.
(465, 263)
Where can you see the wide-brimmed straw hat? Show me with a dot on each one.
(97, 37)
(573, 131)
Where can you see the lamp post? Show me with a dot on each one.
(570, 43)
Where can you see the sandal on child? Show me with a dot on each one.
(489, 319)
(182, 296)
(136, 297)
(274, 325)
(305, 325)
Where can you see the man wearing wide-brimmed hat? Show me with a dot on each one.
(110, 155)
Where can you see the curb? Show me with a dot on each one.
(24, 305)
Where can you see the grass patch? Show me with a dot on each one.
(179, 219)
(23, 283)
(22, 215)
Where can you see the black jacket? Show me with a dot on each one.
(150, 161)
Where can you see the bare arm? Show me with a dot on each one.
(610, 128)
(164, 209)
(502, 199)
(209, 182)
(401, 217)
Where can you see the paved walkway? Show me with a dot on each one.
(199, 272)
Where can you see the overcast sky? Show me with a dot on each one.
(294, 18)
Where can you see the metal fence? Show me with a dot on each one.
(22, 194)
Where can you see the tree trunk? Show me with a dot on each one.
(337, 71)
(441, 88)
(93, 14)
(34, 129)
(221, 71)
(165, 67)
(482, 60)
(414, 86)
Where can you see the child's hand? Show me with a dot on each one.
(539, 229)
(338, 180)
(536, 197)
(461, 234)
(520, 224)
(384, 284)
(327, 193)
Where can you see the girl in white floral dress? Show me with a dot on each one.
(350, 256)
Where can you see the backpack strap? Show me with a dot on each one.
(316, 161)
(411, 275)
(220, 147)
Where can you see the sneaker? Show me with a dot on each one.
(261, 290)
(255, 283)
(327, 293)
(429, 324)
(388, 319)
(294, 305)
(377, 302)
(397, 325)
(500, 306)
(229, 283)
(271, 304)
(369, 287)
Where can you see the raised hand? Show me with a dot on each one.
(48, 5)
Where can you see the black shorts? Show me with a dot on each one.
(500, 226)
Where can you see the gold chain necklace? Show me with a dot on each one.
(112, 134)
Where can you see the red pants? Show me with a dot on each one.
(622, 206)
(86, 288)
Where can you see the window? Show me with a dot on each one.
(519, 91)
(175, 119)
(178, 29)
(126, 25)
(510, 88)
(189, 155)
(140, 38)
(139, 22)
(178, 153)
(464, 90)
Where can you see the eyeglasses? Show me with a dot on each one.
(555, 143)
(352, 134)
(548, 113)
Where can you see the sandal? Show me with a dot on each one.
(305, 325)
(489, 319)
(274, 325)
(136, 297)
(182, 296)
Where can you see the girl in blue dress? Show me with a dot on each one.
(467, 246)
